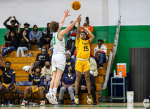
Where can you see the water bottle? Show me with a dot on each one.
(114, 73)
(120, 74)
(104, 40)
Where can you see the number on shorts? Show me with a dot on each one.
(86, 48)
(54, 40)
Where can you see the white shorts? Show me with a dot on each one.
(58, 62)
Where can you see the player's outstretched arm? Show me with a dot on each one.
(79, 28)
(92, 36)
(63, 19)
(62, 32)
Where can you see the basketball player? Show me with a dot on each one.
(82, 62)
(58, 57)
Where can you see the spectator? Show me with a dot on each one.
(38, 85)
(83, 87)
(42, 57)
(69, 63)
(10, 28)
(47, 36)
(71, 44)
(86, 24)
(47, 71)
(93, 65)
(35, 37)
(13, 43)
(73, 30)
(68, 83)
(100, 53)
(9, 82)
(23, 42)
(26, 27)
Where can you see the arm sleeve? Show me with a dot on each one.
(30, 77)
(41, 82)
(5, 23)
(17, 21)
(40, 35)
(37, 57)
(13, 80)
(30, 36)
(2, 68)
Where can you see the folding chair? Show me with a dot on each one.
(22, 83)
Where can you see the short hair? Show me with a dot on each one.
(84, 32)
(54, 26)
(100, 40)
(47, 23)
(8, 62)
(48, 62)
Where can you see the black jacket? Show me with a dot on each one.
(83, 81)
(71, 45)
(22, 41)
(14, 42)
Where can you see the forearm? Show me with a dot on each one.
(26, 39)
(89, 32)
(72, 85)
(19, 29)
(79, 31)
(30, 78)
(5, 23)
(13, 81)
(42, 81)
(17, 21)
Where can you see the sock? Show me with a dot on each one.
(55, 91)
(50, 90)
(72, 100)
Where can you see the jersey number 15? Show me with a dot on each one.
(86, 48)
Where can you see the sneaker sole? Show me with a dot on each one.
(76, 102)
(53, 100)
(49, 97)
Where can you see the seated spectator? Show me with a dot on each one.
(83, 87)
(73, 30)
(69, 63)
(68, 83)
(38, 85)
(9, 82)
(93, 65)
(26, 27)
(13, 44)
(47, 71)
(23, 42)
(42, 57)
(35, 37)
(100, 53)
(10, 28)
(86, 24)
(71, 44)
(47, 36)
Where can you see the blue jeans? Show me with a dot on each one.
(102, 59)
(8, 49)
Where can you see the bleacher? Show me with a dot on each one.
(17, 63)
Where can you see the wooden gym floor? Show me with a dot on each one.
(100, 106)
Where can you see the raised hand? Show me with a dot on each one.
(9, 17)
(14, 17)
(19, 24)
(79, 18)
(66, 13)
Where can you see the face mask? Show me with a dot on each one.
(43, 50)
(69, 71)
(73, 38)
(24, 33)
(26, 28)
(47, 66)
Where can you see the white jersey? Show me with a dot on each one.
(59, 45)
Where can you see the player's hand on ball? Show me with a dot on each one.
(66, 12)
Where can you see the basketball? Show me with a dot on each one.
(76, 5)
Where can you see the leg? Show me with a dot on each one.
(22, 50)
(71, 92)
(87, 78)
(42, 40)
(27, 89)
(38, 44)
(11, 94)
(2, 88)
(78, 77)
(9, 49)
(18, 51)
(53, 80)
(102, 59)
(4, 51)
(41, 93)
(62, 91)
(93, 93)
